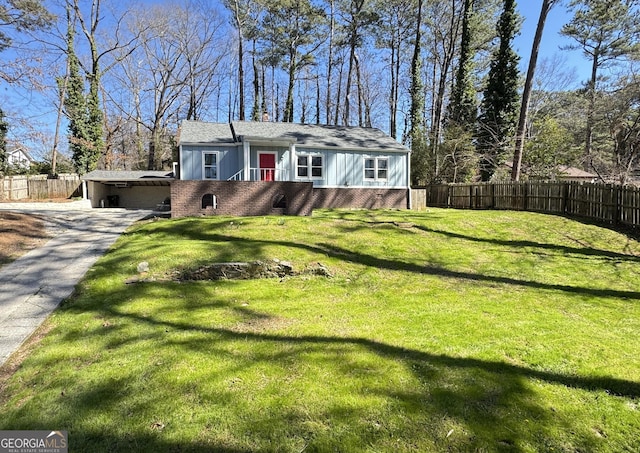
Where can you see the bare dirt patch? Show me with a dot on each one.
(19, 233)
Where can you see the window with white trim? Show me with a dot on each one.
(376, 168)
(210, 165)
(310, 166)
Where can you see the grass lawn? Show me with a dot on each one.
(440, 330)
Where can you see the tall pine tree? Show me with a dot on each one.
(499, 107)
(528, 87)
(75, 103)
(606, 31)
(462, 110)
(419, 145)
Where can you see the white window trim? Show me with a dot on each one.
(375, 168)
(217, 153)
(309, 166)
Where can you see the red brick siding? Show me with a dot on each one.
(373, 198)
(240, 198)
(250, 198)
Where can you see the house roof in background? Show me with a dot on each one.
(303, 135)
(574, 172)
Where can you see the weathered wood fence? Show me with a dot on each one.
(39, 187)
(603, 202)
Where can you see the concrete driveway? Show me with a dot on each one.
(34, 285)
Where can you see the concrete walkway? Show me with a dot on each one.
(34, 285)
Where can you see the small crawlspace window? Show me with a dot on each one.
(209, 201)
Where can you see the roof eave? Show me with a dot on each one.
(270, 140)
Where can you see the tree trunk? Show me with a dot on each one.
(330, 60)
(255, 111)
(317, 99)
(338, 94)
(347, 97)
(240, 75)
(359, 87)
(417, 101)
(591, 93)
(526, 94)
(288, 108)
(392, 94)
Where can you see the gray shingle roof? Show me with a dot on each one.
(303, 135)
(201, 132)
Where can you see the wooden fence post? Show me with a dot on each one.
(617, 199)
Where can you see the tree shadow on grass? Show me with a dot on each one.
(484, 402)
(587, 251)
(252, 246)
(404, 222)
(450, 403)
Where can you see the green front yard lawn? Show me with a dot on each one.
(439, 330)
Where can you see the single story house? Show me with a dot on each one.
(567, 173)
(262, 168)
(564, 173)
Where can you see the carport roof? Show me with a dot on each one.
(145, 177)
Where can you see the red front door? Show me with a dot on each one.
(267, 166)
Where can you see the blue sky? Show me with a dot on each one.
(42, 111)
(551, 39)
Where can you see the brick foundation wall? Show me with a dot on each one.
(374, 198)
(241, 198)
(251, 198)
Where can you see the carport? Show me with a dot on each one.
(127, 189)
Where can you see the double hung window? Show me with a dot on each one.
(210, 165)
(310, 166)
(376, 168)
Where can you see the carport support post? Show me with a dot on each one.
(85, 192)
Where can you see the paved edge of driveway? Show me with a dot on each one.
(35, 284)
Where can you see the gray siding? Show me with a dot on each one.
(346, 168)
(341, 168)
(229, 160)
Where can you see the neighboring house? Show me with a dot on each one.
(566, 173)
(259, 168)
(563, 173)
(18, 157)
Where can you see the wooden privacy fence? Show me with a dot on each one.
(603, 202)
(38, 187)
